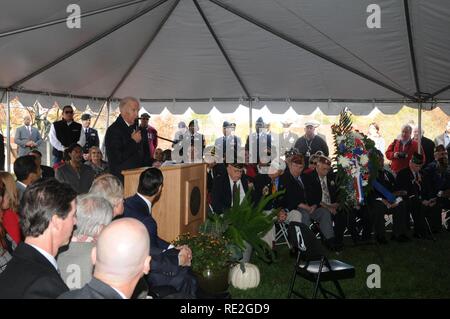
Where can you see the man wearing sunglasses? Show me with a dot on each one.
(64, 133)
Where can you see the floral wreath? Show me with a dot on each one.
(353, 162)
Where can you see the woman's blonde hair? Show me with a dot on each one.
(10, 190)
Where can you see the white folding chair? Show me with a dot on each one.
(281, 234)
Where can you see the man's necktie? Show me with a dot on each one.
(29, 130)
(224, 147)
(325, 193)
(236, 194)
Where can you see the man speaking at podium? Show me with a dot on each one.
(123, 139)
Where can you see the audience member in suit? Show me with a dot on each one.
(47, 171)
(78, 175)
(386, 202)
(287, 138)
(2, 152)
(259, 141)
(310, 143)
(123, 139)
(9, 207)
(149, 140)
(74, 261)
(229, 189)
(267, 182)
(109, 187)
(228, 145)
(90, 134)
(27, 137)
(438, 189)
(47, 216)
(121, 258)
(427, 145)
(170, 265)
(213, 169)
(413, 182)
(298, 197)
(27, 171)
(64, 133)
(444, 138)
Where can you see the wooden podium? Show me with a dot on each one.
(182, 205)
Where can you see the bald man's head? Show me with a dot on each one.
(122, 251)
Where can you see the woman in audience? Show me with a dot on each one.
(93, 214)
(78, 175)
(7, 244)
(10, 206)
(96, 161)
(374, 135)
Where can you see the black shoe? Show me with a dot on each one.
(418, 236)
(382, 240)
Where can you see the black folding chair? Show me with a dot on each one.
(313, 265)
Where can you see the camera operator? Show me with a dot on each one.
(401, 150)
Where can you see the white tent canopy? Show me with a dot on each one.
(222, 53)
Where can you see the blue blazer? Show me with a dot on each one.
(136, 207)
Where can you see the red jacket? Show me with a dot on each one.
(11, 224)
(409, 148)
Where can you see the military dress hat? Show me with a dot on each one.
(85, 117)
(324, 159)
(312, 123)
(145, 115)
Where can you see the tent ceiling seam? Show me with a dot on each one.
(146, 47)
(222, 49)
(411, 46)
(309, 49)
(86, 44)
(63, 20)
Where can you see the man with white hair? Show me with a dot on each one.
(93, 214)
(110, 188)
(123, 139)
(27, 137)
(268, 182)
(121, 258)
(401, 150)
(444, 138)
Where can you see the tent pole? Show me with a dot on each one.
(250, 124)
(420, 128)
(8, 134)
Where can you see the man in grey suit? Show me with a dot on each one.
(27, 137)
(444, 138)
(93, 214)
(121, 258)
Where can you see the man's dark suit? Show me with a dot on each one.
(30, 275)
(295, 192)
(222, 194)
(122, 151)
(95, 289)
(405, 182)
(164, 264)
(428, 149)
(217, 170)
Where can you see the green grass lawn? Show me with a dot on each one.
(417, 269)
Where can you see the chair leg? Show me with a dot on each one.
(429, 229)
(316, 286)
(291, 286)
(339, 289)
(324, 294)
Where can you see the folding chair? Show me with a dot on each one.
(281, 234)
(313, 265)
